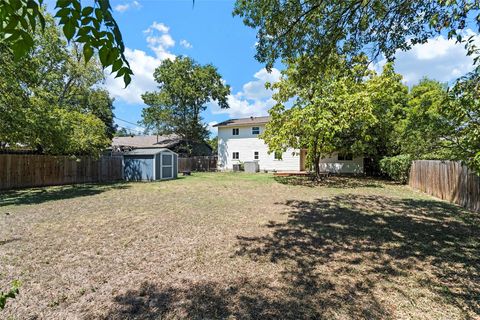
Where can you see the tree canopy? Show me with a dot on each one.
(389, 99)
(463, 114)
(431, 120)
(423, 125)
(331, 111)
(50, 99)
(91, 26)
(354, 110)
(288, 29)
(443, 123)
(184, 89)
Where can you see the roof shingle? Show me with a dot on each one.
(164, 141)
(243, 121)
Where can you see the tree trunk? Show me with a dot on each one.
(316, 164)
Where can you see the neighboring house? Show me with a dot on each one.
(238, 142)
(172, 142)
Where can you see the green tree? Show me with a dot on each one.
(389, 99)
(443, 123)
(462, 114)
(38, 91)
(213, 142)
(91, 26)
(185, 88)
(122, 132)
(422, 129)
(290, 28)
(331, 111)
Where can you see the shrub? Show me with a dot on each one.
(397, 168)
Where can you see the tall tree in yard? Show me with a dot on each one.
(420, 131)
(50, 100)
(331, 110)
(443, 123)
(288, 29)
(389, 99)
(463, 114)
(185, 88)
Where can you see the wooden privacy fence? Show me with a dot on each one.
(448, 180)
(20, 171)
(198, 163)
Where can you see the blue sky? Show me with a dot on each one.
(207, 32)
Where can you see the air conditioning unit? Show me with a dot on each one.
(252, 166)
(236, 167)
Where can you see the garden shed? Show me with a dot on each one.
(150, 164)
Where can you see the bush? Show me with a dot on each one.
(397, 168)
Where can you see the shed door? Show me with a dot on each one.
(167, 166)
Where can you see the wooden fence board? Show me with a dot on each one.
(447, 180)
(23, 170)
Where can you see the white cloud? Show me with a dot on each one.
(143, 65)
(213, 130)
(253, 100)
(255, 90)
(157, 26)
(440, 58)
(124, 7)
(159, 40)
(184, 43)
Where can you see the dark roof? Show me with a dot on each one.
(243, 121)
(165, 141)
(147, 151)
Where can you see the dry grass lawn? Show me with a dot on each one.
(238, 246)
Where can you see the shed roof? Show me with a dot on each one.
(147, 152)
(243, 121)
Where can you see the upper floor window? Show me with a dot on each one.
(345, 156)
(235, 131)
(277, 155)
(255, 130)
(255, 155)
(236, 155)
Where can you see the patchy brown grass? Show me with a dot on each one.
(238, 246)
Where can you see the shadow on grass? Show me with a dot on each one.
(335, 255)
(358, 241)
(242, 299)
(333, 182)
(45, 194)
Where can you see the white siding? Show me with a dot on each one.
(246, 144)
(332, 164)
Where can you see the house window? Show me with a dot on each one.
(236, 155)
(277, 155)
(255, 155)
(255, 130)
(345, 156)
(235, 131)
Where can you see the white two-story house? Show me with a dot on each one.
(238, 142)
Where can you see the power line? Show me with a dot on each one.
(135, 124)
(130, 129)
